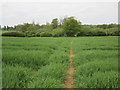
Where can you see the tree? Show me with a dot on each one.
(54, 23)
(4, 28)
(71, 27)
(48, 27)
(62, 21)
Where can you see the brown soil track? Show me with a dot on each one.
(69, 79)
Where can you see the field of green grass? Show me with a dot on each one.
(96, 62)
(43, 62)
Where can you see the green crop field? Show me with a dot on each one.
(96, 62)
(43, 62)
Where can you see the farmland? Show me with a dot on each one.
(43, 62)
(96, 62)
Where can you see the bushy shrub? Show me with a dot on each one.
(45, 34)
(81, 33)
(100, 33)
(13, 34)
(37, 34)
(58, 32)
(113, 32)
(116, 33)
(86, 31)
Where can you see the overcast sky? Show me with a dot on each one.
(42, 12)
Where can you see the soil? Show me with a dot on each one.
(69, 79)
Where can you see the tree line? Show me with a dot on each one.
(68, 26)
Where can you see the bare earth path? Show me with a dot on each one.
(69, 79)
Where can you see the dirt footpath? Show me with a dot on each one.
(69, 79)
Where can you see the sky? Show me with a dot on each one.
(14, 13)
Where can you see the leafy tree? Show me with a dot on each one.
(59, 32)
(54, 23)
(4, 28)
(48, 27)
(23, 28)
(62, 21)
(45, 34)
(72, 27)
(104, 26)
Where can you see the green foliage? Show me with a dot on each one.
(7, 28)
(58, 32)
(88, 30)
(37, 34)
(107, 26)
(45, 34)
(48, 27)
(5, 31)
(71, 27)
(26, 27)
(54, 23)
(13, 34)
(68, 26)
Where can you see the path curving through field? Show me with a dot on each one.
(69, 79)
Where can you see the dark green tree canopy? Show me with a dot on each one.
(72, 26)
(54, 23)
(67, 26)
